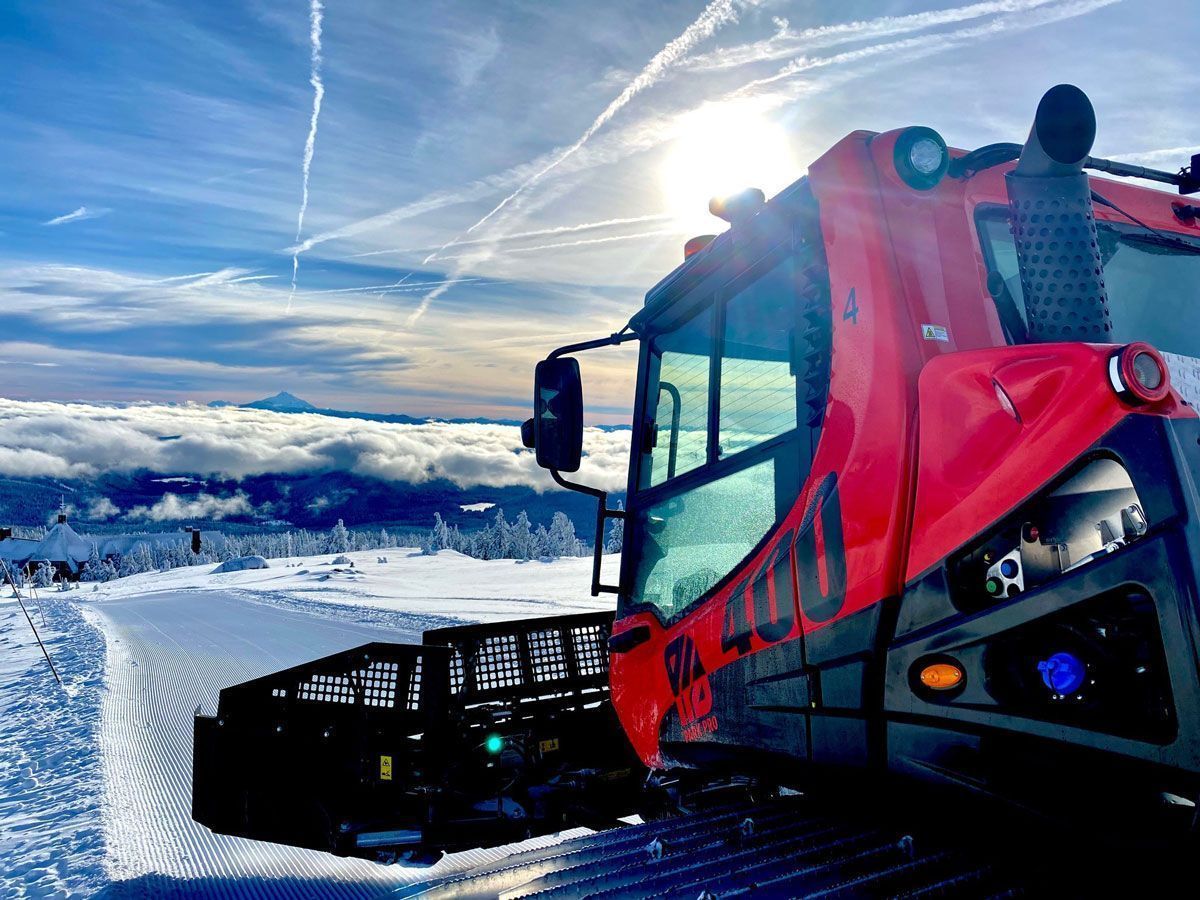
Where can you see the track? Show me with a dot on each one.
(776, 849)
(168, 653)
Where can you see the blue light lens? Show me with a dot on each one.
(494, 744)
(1063, 673)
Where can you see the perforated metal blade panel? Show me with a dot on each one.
(527, 658)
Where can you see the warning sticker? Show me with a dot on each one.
(935, 333)
(385, 768)
(549, 745)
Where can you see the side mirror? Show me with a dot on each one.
(557, 424)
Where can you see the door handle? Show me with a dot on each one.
(628, 639)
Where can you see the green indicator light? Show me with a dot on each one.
(992, 586)
(494, 744)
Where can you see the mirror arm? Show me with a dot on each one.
(619, 337)
(603, 514)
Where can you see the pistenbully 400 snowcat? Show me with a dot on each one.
(912, 489)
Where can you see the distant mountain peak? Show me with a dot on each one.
(282, 402)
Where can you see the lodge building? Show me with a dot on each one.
(68, 551)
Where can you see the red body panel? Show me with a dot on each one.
(913, 259)
(978, 461)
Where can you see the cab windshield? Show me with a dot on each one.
(728, 431)
(1153, 283)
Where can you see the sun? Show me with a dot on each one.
(720, 149)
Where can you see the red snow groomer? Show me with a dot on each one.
(912, 490)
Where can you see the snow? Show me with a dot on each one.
(95, 780)
(51, 827)
(241, 564)
(449, 586)
(475, 507)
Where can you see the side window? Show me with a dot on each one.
(710, 491)
(758, 375)
(682, 356)
(692, 540)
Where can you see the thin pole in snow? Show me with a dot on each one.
(8, 577)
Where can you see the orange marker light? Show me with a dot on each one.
(941, 676)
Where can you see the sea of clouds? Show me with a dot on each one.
(79, 440)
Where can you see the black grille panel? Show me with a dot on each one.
(561, 653)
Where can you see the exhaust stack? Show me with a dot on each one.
(1050, 201)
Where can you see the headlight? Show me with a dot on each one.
(921, 157)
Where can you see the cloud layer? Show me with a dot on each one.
(76, 440)
(174, 508)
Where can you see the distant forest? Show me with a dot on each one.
(500, 539)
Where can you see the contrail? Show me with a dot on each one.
(521, 235)
(786, 42)
(518, 177)
(315, 15)
(932, 43)
(714, 16)
(403, 278)
(390, 288)
(581, 243)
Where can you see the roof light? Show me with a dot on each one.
(1138, 374)
(739, 206)
(942, 676)
(921, 157)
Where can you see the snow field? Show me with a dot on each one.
(95, 780)
(51, 834)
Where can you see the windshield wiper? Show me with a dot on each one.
(1160, 238)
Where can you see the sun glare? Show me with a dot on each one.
(719, 149)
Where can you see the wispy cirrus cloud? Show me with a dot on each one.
(77, 216)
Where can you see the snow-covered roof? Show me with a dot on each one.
(17, 549)
(114, 544)
(62, 545)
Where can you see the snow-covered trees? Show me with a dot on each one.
(616, 533)
(522, 538)
(562, 540)
(501, 540)
(339, 538)
(93, 568)
(43, 576)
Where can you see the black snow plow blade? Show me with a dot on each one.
(480, 735)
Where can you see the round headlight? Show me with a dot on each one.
(1139, 374)
(926, 156)
(1146, 371)
(921, 157)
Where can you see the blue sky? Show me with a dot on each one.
(153, 159)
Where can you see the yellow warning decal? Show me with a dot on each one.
(547, 746)
(385, 768)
